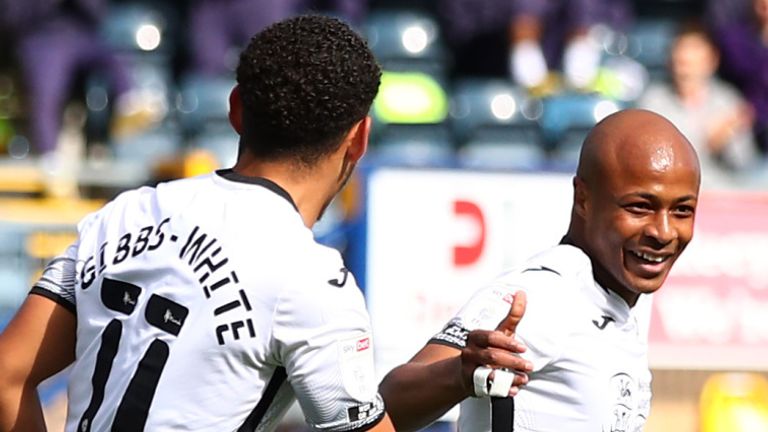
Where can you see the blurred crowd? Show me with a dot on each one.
(704, 66)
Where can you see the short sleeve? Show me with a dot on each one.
(541, 328)
(57, 282)
(324, 339)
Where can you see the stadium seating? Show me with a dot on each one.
(150, 147)
(409, 120)
(424, 145)
(203, 101)
(566, 119)
(142, 128)
(649, 43)
(496, 125)
(406, 40)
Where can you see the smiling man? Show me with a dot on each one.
(586, 320)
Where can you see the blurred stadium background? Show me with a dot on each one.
(465, 175)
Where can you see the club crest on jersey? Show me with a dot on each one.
(630, 406)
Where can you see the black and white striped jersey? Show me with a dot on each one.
(587, 346)
(205, 304)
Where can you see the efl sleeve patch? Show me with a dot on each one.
(357, 366)
(453, 334)
(366, 414)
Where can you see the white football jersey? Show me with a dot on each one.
(205, 304)
(587, 346)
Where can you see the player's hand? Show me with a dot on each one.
(497, 349)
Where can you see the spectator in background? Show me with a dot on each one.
(744, 48)
(55, 41)
(220, 28)
(709, 112)
(549, 34)
(526, 39)
(475, 31)
(721, 13)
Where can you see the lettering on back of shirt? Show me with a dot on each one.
(204, 255)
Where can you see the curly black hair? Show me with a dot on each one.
(304, 83)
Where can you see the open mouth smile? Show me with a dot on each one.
(651, 258)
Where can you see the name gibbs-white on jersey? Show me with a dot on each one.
(204, 255)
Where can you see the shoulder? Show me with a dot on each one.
(557, 268)
(550, 280)
(314, 303)
(317, 281)
(127, 199)
(322, 272)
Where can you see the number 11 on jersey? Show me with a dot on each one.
(160, 312)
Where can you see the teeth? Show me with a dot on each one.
(651, 258)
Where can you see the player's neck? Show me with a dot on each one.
(601, 275)
(306, 188)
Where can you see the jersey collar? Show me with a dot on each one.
(231, 175)
(603, 296)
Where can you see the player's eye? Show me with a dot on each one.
(683, 211)
(639, 207)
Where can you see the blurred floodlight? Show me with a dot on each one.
(148, 37)
(503, 106)
(415, 39)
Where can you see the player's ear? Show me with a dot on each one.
(580, 196)
(236, 110)
(358, 139)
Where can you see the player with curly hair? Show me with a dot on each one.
(205, 303)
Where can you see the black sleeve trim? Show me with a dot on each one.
(369, 426)
(55, 297)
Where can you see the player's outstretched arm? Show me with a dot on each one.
(37, 343)
(439, 376)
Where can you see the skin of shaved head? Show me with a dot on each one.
(635, 195)
(621, 140)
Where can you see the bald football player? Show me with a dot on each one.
(586, 317)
